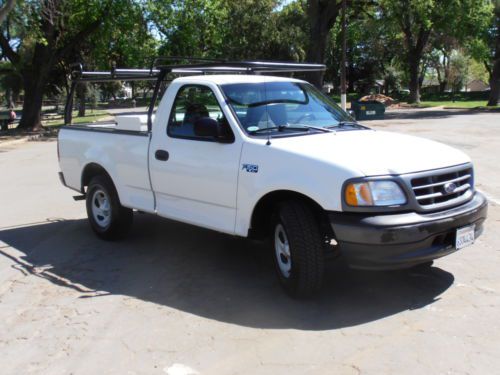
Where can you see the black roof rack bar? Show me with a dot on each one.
(196, 66)
(158, 72)
(115, 75)
(139, 72)
(246, 66)
(117, 78)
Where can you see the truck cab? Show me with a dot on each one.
(272, 158)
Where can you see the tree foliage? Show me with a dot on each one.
(397, 41)
(418, 20)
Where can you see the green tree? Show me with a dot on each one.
(372, 49)
(113, 47)
(418, 19)
(289, 41)
(48, 30)
(458, 70)
(442, 47)
(245, 29)
(123, 41)
(249, 29)
(188, 27)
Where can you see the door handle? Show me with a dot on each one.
(161, 155)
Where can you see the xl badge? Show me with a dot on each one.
(252, 168)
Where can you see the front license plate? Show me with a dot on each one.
(465, 237)
(370, 112)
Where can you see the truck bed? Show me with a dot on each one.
(125, 124)
(122, 153)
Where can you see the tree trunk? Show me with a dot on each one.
(316, 53)
(495, 85)
(350, 75)
(36, 71)
(81, 107)
(32, 107)
(495, 72)
(81, 90)
(446, 72)
(322, 16)
(6, 9)
(9, 98)
(413, 62)
(15, 95)
(442, 86)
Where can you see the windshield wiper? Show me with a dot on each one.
(301, 127)
(320, 128)
(279, 128)
(342, 124)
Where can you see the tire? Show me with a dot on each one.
(298, 250)
(107, 217)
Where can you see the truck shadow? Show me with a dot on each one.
(208, 274)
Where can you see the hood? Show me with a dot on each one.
(372, 152)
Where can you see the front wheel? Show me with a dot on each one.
(298, 249)
(107, 217)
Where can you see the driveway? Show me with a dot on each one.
(175, 299)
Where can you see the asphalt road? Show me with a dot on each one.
(175, 299)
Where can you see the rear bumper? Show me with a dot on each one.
(393, 241)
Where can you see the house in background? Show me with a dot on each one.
(430, 85)
(476, 85)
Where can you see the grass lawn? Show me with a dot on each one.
(91, 116)
(456, 104)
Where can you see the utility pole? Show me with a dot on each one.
(343, 88)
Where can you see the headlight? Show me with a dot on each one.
(374, 193)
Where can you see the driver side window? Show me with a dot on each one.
(192, 103)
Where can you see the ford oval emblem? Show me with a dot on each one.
(450, 188)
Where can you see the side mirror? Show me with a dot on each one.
(206, 127)
(210, 128)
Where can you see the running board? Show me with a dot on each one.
(79, 197)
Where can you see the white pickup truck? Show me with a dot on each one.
(271, 157)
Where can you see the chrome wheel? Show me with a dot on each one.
(282, 251)
(101, 208)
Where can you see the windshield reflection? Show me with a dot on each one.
(283, 106)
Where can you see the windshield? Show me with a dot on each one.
(283, 106)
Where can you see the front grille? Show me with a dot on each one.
(441, 188)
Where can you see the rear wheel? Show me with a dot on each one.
(298, 249)
(107, 217)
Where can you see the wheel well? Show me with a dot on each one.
(266, 206)
(91, 170)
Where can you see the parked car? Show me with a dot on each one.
(273, 158)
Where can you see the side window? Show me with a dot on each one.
(192, 103)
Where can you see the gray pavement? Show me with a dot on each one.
(174, 299)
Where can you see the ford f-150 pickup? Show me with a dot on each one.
(269, 157)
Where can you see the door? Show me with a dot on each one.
(194, 177)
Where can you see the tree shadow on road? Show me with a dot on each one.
(209, 274)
